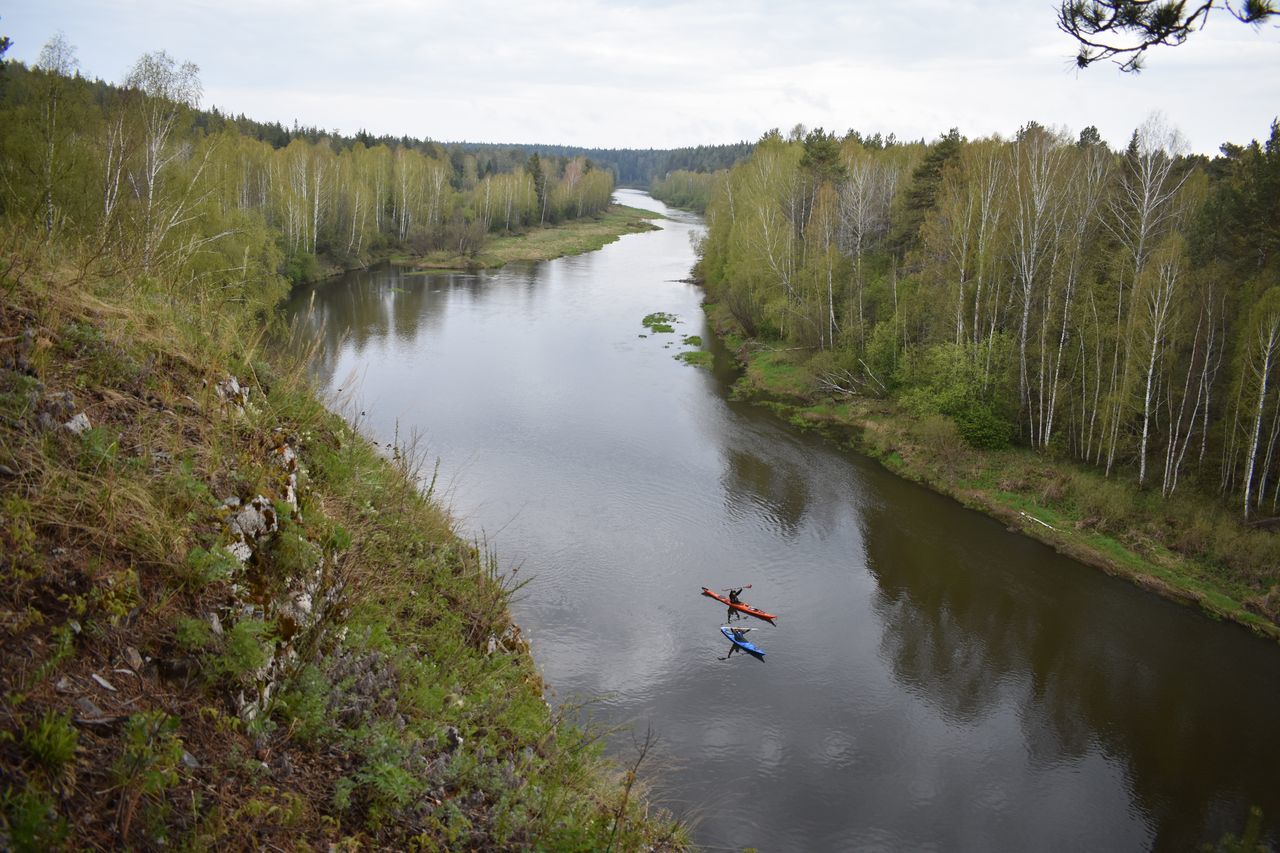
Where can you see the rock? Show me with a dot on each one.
(78, 425)
(215, 624)
(64, 685)
(256, 519)
(189, 761)
(88, 710)
(252, 522)
(175, 668)
(103, 683)
(132, 658)
(454, 738)
(231, 502)
(241, 550)
(59, 406)
(231, 391)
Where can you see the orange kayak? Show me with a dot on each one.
(745, 608)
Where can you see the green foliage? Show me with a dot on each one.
(304, 703)
(152, 751)
(690, 190)
(659, 322)
(51, 742)
(302, 267)
(192, 634)
(201, 568)
(243, 651)
(32, 821)
(947, 379)
(698, 358)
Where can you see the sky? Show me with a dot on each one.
(662, 73)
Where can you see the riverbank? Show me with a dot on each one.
(574, 237)
(228, 619)
(1185, 548)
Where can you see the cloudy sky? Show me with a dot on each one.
(664, 73)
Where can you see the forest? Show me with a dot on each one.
(1118, 308)
(229, 619)
(151, 181)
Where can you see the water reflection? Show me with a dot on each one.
(1117, 675)
(933, 681)
(753, 485)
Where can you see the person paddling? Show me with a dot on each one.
(733, 599)
(739, 637)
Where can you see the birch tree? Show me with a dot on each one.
(1263, 351)
(57, 62)
(1141, 210)
(165, 92)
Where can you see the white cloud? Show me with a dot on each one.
(659, 74)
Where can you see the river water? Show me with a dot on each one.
(933, 681)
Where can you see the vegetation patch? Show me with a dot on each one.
(698, 358)
(1191, 549)
(228, 620)
(573, 237)
(660, 322)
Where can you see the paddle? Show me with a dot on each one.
(730, 588)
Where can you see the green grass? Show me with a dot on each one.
(697, 358)
(574, 237)
(113, 548)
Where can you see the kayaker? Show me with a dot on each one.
(740, 635)
(733, 599)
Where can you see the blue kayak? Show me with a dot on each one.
(746, 645)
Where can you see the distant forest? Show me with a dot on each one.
(140, 170)
(635, 167)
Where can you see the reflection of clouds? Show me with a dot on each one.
(964, 688)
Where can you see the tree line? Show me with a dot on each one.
(137, 174)
(683, 188)
(1118, 307)
(636, 167)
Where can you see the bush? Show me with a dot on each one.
(301, 267)
(51, 742)
(981, 427)
(1109, 503)
(939, 434)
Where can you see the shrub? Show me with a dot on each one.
(51, 742)
(32, 821)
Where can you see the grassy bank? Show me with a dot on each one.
(1187, 547)
(229, 621)
(574, 237)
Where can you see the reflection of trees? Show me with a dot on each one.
(974, 618)
(366, 306)
(777, 490)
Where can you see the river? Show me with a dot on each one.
(933, 681)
